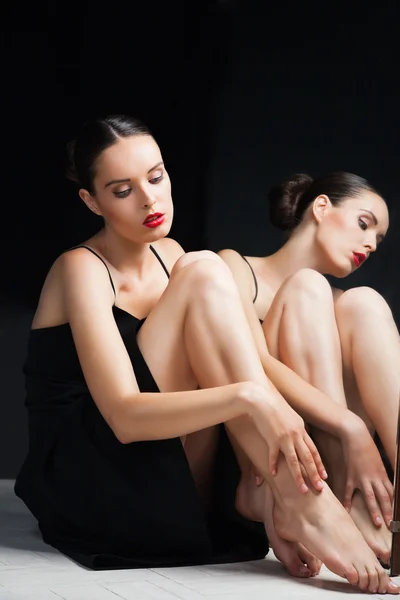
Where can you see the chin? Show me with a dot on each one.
(152, 235)
(340, 271)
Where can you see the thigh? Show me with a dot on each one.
(303, 290)
(161, 341)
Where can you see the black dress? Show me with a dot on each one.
(112, 505)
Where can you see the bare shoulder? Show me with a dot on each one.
(74, 273)
(239, 269)
(81, 265)
(85, 302)
(169, 250)
(235, 261)
(231, 257)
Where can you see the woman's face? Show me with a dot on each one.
(132, 190)
(348, 233)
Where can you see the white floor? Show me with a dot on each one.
(32, 570)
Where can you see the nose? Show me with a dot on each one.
(148, 199)
(149, 203)
(371, 244)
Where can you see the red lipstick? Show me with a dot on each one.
(154, 220)
(359, 258)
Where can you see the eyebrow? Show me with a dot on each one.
(113, 181)
(116, 181)
(375, 220)
(155, 166)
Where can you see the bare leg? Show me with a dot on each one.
(371, 359)
(256, 503)
(371, 366)
(198, 334)
(201, 448)
(301, 331)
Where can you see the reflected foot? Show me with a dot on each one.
(324, 527)
(379, 539)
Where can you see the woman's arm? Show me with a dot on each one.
(108, 371)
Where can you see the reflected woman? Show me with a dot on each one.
(345, 344)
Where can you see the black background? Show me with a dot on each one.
(238, 95)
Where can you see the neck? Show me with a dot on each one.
(299, 252)
(122, 253)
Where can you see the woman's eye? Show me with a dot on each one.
(157, 179)
(363, 224)
(122, 194)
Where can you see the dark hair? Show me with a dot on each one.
(95, 137)
(289, 200)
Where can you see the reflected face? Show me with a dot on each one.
(132, 190)
(349, 232)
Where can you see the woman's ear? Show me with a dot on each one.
(321, 207)
(90, 201)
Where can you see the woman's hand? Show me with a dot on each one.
(283, 430)
(366, 472)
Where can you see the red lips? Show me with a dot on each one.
(359, 258)
(154, 220)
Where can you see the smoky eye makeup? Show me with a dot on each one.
(160, 174)
(122, 193)
(370, 219)
(158, 179)
(363, 225)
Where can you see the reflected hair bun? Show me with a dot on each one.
(284, 199)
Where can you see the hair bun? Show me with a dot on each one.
(284, 200)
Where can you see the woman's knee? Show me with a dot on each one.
(193, 258)
(362, 302)
(202, 271)
(309, 284)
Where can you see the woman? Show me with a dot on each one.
(344, 343)
(125, 465)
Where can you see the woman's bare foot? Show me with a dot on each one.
(256, 503)
(319, 521)
(379, 539)
(298, 561)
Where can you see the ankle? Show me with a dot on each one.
(249, 503)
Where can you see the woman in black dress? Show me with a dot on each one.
(127, 464)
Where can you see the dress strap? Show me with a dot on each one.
(154, 251)
(254, 277)
(102, 260)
